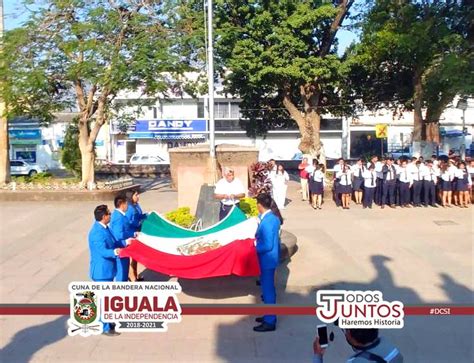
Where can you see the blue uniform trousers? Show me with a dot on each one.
(378, 191)
(388, 192)
(417, 185)
(429, 188)
(123, 266)
(267, 281)
(368, 197)
(107, 326)
(404, 193)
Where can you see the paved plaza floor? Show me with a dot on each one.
(419, 256)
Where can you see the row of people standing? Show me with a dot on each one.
(404, 183)
(110, 233)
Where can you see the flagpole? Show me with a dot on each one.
(210, 78)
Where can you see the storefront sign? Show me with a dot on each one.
(170, 126)
(25, 134)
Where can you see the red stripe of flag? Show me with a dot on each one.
(189, 309)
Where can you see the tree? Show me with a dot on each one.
(70, 153)
(280, 58)
(92, 50)
(414, 55)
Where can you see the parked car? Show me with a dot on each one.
(138, 159)
(20, 167)
(405, 152)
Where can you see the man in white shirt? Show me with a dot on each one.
(229, 191)
(430, 179)
(405, 182)
(416, 171)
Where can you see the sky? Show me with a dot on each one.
(15, 14)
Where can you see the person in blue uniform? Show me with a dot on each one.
(268, 250)
(122, 231)
(103, 249)
(135, 217)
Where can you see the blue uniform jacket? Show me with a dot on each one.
(268, 241)
(102, 258)
(135, 216)
(120, 227)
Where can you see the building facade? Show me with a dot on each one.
(182, 121)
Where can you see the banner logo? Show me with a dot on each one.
(132, 307)
(358, 309)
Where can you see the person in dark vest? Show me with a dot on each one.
(389, 183)
(367, 345)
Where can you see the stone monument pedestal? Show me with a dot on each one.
(191, 168)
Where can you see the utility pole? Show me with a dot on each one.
(4, 144)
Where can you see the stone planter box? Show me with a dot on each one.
(40, 195)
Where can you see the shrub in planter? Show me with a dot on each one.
(181, 216)
(249, 207)
(261, 182)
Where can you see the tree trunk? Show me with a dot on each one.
(4, 147)
(87, 154)
(417, 105)
(309, 126)
(87, 161)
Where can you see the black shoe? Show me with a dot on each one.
(257, 283)
(264, 327)
(434, 205)
(425, 205)
(259, 320)
(111, 333)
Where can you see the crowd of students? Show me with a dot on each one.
(405, 182)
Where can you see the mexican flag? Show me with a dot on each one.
(223, 249)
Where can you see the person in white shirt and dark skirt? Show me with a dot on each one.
(447, 178)
(316, 185)
(345, 185)
(463, 184)
(358, 180)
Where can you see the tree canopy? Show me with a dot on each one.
(86, 53)
(414, 55)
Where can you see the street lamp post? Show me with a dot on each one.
(462, 105)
